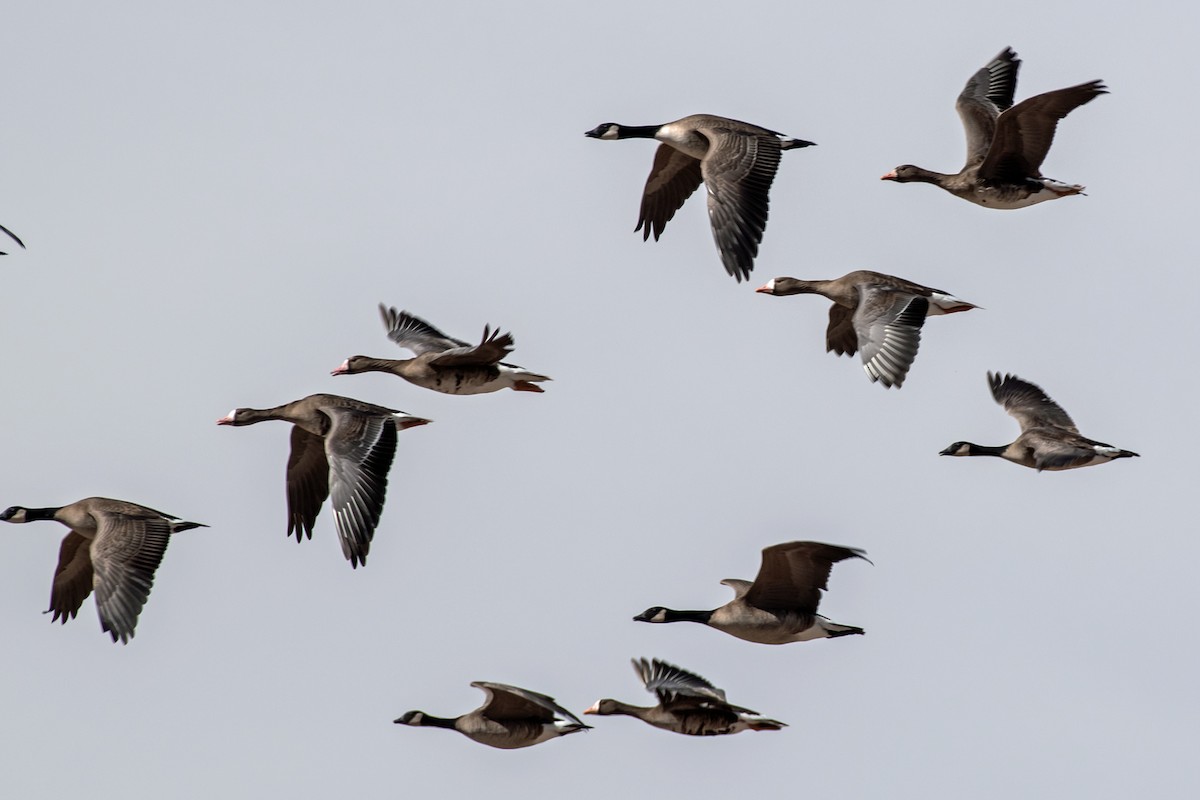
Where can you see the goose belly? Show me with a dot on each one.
(1010, 197)
(513, 735)
(463, 381)
(763, 627)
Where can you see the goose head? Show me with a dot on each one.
(904, 174)
(607, 130)
(958, 449)
(416, 718)
(14, 514)
(238, 416)
(652, 614)
(352, 365)
(604, 707)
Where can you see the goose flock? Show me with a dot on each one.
(342, 449)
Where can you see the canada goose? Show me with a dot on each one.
(736, 159)
(113, 547)
(509, 718)
(12, 236)
(780, 606)
(445, 364)
(881, 315)
(687, 704)
(1048, 440)
(341, 445)
(1006, 144)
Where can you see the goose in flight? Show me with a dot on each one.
(114, 547)
(875, 314)
(1006, 144)
(737, 161)
(1049, 438)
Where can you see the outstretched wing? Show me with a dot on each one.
(738, 171)
(889, 332)
(360, 448)
(793, 575)
(1025, 132)
(492, 347)
(673, 178)
(1028, 404)
(506, 702)
(307, 481)
(125, 554)
(72, 578)
(415, 334)
(986, 95)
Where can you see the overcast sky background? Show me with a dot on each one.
(215, 197)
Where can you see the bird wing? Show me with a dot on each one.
(492, 347)
(72, 578)
(672, 683)
(840, 337)
(1028, 404)
(986, 95)
(673, 178)
(738, 171)
(1025, 132)
(125, 553)
(888, 326)
(793, 575)
(739, 586)
(360, 448)
(506, 702)
(415, 334)
(307, 481)
(12, 236)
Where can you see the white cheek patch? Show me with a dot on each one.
(611, 133)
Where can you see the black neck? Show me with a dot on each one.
(637, 131)
(428, 720)
(985, 450)
(32, 514)
(702, 617)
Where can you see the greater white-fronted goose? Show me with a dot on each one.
(880, 315)
(780, 605)
(342, 447)
(735, 159)
(443, 363)
(114, 547)
(509, 718)
(12, 236)
(1048, 440)
(687, 704)
(1006, 144)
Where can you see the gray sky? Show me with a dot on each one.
(215, 197)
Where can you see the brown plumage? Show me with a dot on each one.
(687, 704)
(1049, 439)
(114, 547)
(1006, 144)
(737, 160)
(340, 447)
(877, 314)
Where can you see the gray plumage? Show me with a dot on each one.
(736, 160)
(687, 704)
(1049, 439)
(341, 449)
(510, 718)
(1006, 144)
(780, 605)
(876, 314)
(443, 363)
(114, 548)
